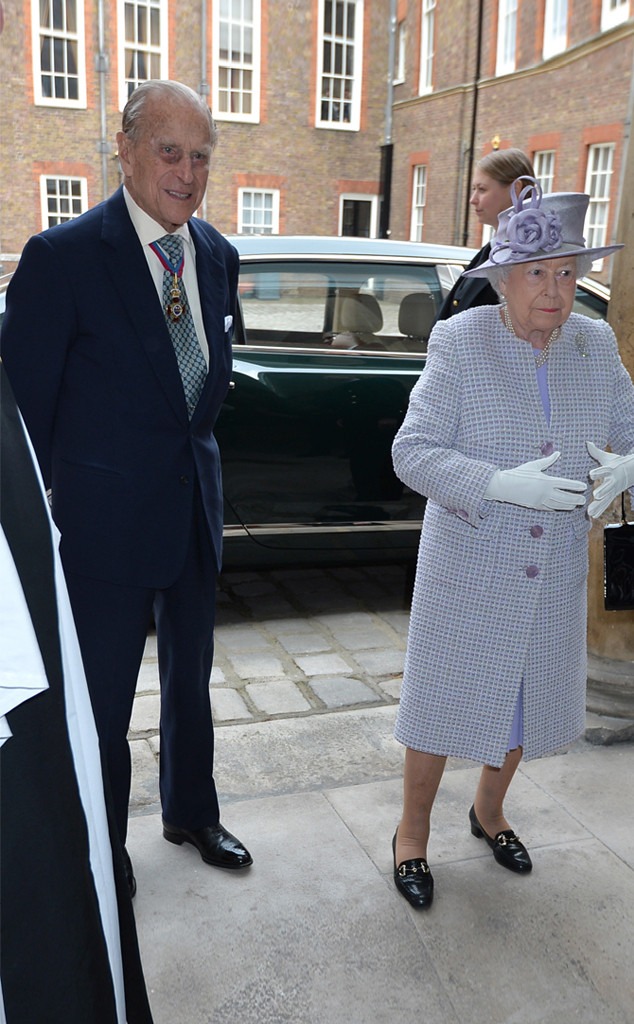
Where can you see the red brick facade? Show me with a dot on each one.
(567, 103)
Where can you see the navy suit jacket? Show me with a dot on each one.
(87, 350)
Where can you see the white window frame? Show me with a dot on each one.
(324, 75)
(598, 186)
(507, 37)
(419, 199)
(239, 19)
(555, 28)
(156, 53)
(44, 197)
(274, 195)
(426, 77)
(363, 197)
(544, 164)
(401, 53)
(68, 38)
(614, 12)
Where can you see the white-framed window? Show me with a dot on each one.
(426, 81)
(507, 37)
(237, 59)
(62, 198)
(258, 211)
(614, 12)
(358, 215)
(59, 56)
(544, 164)
(340, 64)
(419, 194)
(401, 52)
(555, 28)
(598, 182)
(143, 39)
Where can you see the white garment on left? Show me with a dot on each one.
(22, 676)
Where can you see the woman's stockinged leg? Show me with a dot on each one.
(491, 791)
(421, 778)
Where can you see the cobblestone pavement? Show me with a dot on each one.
(289, 644)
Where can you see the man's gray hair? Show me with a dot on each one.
(133, 112)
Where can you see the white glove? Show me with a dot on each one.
(528, 485)
(616, 473)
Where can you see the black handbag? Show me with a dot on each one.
(618, 564)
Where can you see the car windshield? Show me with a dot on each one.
(340, 305)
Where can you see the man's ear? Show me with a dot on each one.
(123, 151)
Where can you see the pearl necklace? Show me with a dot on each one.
(542, 358)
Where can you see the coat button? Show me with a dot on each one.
(184, 479)
(537, 531)
(532, 571)
(547, 448)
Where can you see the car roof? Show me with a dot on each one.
(338, 246)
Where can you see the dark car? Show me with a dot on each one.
(330, 338)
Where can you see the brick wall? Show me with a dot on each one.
(576, 98)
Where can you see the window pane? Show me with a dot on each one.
(338, 63)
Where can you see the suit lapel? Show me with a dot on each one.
(212, 289)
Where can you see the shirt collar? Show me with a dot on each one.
(147, 228)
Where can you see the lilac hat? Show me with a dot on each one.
(539, 227)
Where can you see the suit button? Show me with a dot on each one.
(455, 302)
(537, 531)
(532, 571)
(184, 479)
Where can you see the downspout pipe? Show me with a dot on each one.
(203, 88)
(474, 120)
(101, 66)
(387, 149)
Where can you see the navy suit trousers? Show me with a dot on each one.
(112, 624)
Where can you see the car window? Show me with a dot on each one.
(340, 306)
(587, 304)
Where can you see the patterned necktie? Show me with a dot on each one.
(191, 362)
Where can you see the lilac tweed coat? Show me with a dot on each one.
(500, 592)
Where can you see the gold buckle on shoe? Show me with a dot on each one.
(403, 869)
(503, 840)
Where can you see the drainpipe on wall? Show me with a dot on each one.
(387, 149)
(101, 67)
(203, 88)
(474, 119)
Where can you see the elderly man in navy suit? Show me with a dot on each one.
(117, 342)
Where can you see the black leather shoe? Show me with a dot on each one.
(507, 849)
(215, 845)
(129, 873)
(414, 880)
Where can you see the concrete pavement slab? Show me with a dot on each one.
(312, 934)
(315, 932)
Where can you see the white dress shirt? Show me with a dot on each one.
(149, 231)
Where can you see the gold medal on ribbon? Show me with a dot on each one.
(175, 307)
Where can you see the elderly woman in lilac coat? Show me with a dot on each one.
(505, 430)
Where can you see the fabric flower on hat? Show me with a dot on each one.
(530, 229)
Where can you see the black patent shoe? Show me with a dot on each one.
(507, 848)
(414, 880)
